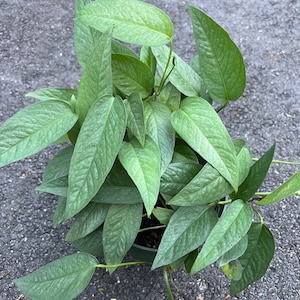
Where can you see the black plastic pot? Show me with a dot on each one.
(142, 253)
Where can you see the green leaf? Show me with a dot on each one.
(59, 94)
(96, 79)
(235, 252)
(142, 165)
(63, 278)
(208, 185)
(244, 163)
(130, 75)
(256, 176)
(170, 96)
(231, 227)
(59, 165)
(57, 186)
(205, 187)
(163, 215)
(84, 36)
(255, 261)
(189, 261)
(120, 229)
(177, 176)
(183, 153)
(59, 211)
(288, 188)
(96, 149)
(34, 128)
(200, 126)
(119, 48)
(134, 22)
(91, 243)
(183, 234)
(136, 121)
(55, 177)
(233, 270)
(159, 128)
(118, 188)
(183, 77)
(221, 63)
(147, 57)
(88, 220)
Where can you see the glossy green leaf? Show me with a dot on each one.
(120, 229)
(256, 176)
(162, 214)
(96, 79)
(91, 243)
(183, 77)
(183, 234)
(134, 22)
(63, 278)
(147, 57)
(256, 260)
(159, 128)
(34, 128)
(230, 228)
(130, 75)
(170, 96)
(88, 220)
(143, 166)
(221, 63)
(235, 252)
(96, 149)
(233, 270)
(288, 188)
(136, 120)
(59, 211)
(200, 126)
(177, 176)
(59, 94)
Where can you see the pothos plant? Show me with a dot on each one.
(143, 141)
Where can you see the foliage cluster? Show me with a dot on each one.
(145, 139)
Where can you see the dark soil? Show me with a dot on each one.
(150, 238)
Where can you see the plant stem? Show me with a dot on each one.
(260, 216)
(222, 107)
(220, 202)
(262, 193)
(282, 162)
(167, 282)
(153, 227)
(131, 263)
(165, 75)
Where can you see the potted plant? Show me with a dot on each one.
(146, 161)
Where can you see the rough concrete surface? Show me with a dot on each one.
(36, 51)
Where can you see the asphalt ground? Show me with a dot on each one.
(36, 51)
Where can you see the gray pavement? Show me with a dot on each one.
(36, 51)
